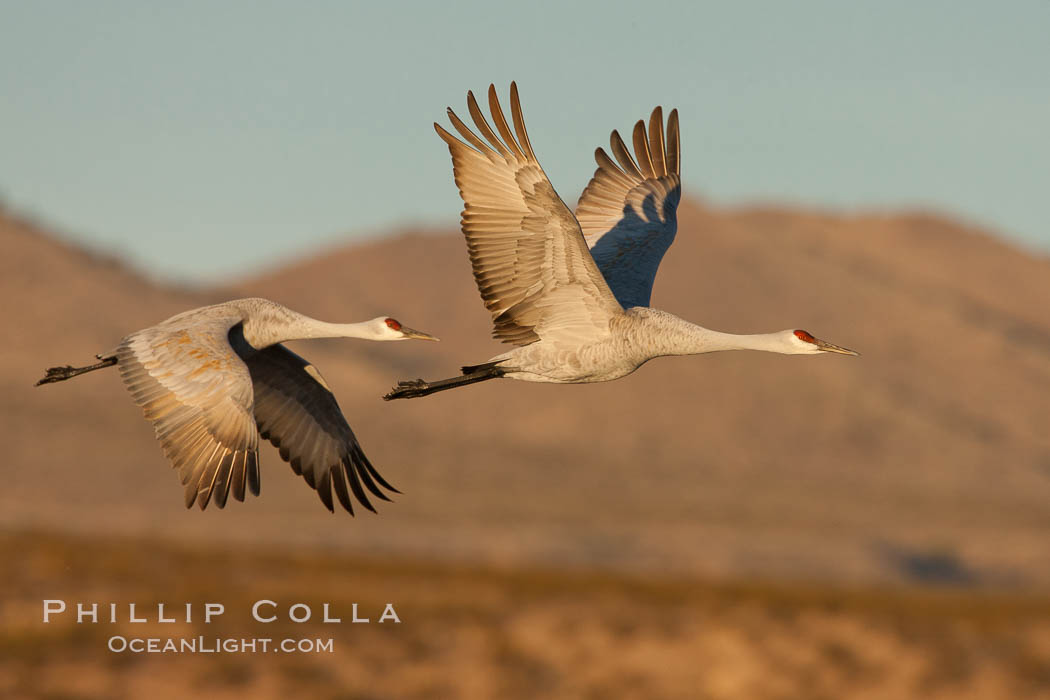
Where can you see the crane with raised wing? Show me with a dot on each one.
(572, 291)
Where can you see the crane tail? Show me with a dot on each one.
(472, 374)
(60, 374)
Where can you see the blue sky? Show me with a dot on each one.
(209, 140)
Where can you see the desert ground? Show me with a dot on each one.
(471, 632)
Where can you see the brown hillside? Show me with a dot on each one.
(929, 457)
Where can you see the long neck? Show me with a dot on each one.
(312, 328)
(706, 340)
(267, 326)
(667, 334)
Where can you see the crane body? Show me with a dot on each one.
(572, 290)
(213, 380)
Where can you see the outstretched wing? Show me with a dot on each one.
(297, 412)
(530, 260)
(628, 211)
(196, 392)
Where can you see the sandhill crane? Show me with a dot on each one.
(212, 380)
(573, 291)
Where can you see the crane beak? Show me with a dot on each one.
(828, 347)
(418, 335)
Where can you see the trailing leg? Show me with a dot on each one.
(60, 374)
(415, 388)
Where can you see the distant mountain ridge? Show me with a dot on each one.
(928, 456)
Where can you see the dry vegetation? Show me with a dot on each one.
(485, 633)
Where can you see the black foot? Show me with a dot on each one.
(408, 390)
(58, 374)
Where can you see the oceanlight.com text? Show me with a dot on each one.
(218, 645)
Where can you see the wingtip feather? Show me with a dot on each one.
(501, 124)
(641, 150)
(519, 122)
(656, 141)
(674, 146)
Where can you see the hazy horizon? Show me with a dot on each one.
(201, 142)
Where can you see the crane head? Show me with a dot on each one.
(387, 328)
(803, 343)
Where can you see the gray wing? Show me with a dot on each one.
(297, 412)
(628, 212)
(196, 392)
(530, 261)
